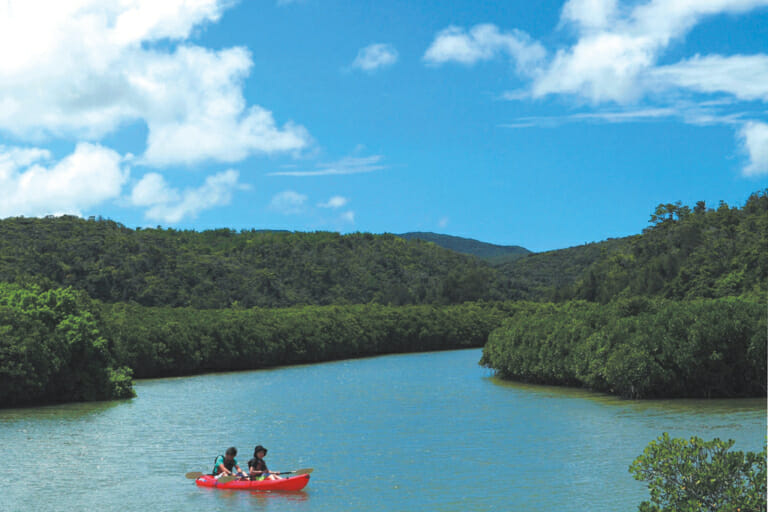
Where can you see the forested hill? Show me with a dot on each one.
(686, 254)
(491, 252)
(551, 275)
(678, 311)
(222, 268)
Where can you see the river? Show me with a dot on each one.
(430, 431)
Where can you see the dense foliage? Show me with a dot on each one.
(177, 302)
(216, 269)
(658, 313)
(177, 341)
(52, 349)
(491, 252)
(638, 347)
(552, 275)
(687, 253)
(59, 345)
(701, 476)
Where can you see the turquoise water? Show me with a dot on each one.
(398, 433)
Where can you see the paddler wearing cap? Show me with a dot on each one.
(257, 468)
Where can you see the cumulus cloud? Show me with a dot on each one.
(170, 205)
(335, 202)
(601, 67)
(590, 14)
(754, 139)
(204, 115)
(618, 47)
(375, 56)
(614, 61)
(153, 190)
(484, 42)
(88, 67)
(288, 203)
(33, 185)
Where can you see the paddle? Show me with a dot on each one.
(297, 472)
(194, 475)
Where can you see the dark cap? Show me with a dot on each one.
(258, 449)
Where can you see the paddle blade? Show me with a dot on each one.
(194, 475)
(304, 471)
(226, 479)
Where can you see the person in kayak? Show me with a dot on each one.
(257, 468)
(225, 464)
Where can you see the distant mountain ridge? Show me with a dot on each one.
(224, 268)
(492, 252)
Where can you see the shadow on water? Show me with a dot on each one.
(59, 412)
(263, 498)
(713, 406)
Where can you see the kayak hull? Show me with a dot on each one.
(294, 483)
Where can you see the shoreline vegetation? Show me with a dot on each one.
(677, 311)
(637, 348)
(60, 345)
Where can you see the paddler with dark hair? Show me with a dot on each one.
(225, 464)
(257, 468)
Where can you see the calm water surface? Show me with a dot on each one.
(398, 433)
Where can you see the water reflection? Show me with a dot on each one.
(713, 406)
(58, 412)
(261, 500)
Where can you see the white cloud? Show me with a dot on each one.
(754, 139)
(335, 202)
(170, 205)
(668, 19)
(743, 76)
(203, 115)
(590, 14)
(484, 42)
(86, 178)
(348, 217)
(86, 68)
(615, 56)
(153, 190)
(608, 116)
(375, 56)
(12, 159)
(601, 67)
(346, 165)
(614, 60)
(288, 202)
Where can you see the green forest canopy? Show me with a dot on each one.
(675, 311)
(219, 268)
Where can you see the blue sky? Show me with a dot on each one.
(542, 124)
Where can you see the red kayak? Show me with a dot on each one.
(294, 483)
